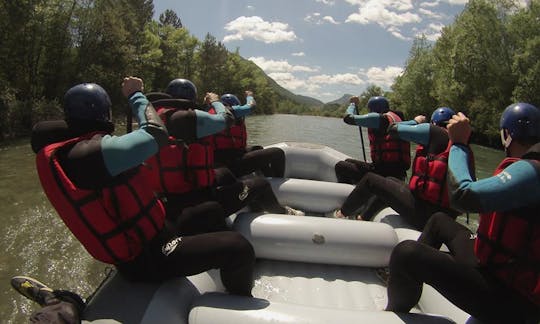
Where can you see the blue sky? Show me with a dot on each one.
(319, 48)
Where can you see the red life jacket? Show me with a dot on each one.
(235, 137)
(508, 243)
(428, 178)
(112, 223)
(387, 150)
(180, 167)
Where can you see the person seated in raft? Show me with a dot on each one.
(230, 145)
(183, 172)
(426, 193)
(94, 181)
(493, 274)
(390, 156)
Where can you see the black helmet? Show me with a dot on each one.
(378, 104)
(87, 101)
(230, 100)
(182, 89)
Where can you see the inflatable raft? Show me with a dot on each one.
(310, 269)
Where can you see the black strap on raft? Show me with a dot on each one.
(361, 135)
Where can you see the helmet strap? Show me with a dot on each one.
(506, 139)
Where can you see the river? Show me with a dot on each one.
(36, 243)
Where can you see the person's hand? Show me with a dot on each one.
(211, 97)
(459, 128)
(130, 85)
(355, 100)
(248, 93)
(420, 119)
(251, 102)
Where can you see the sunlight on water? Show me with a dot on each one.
(36, 242)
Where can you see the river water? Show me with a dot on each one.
(36, 243)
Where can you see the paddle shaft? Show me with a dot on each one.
(361, 136)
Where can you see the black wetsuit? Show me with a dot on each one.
(186, 247)
(395, 193)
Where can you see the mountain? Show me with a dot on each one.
(344, 100)
(304, 100)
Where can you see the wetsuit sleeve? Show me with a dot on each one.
(242, 111)
(209, 124)
(515, 187)
(417, 133)
(121, 153)
(369, 120)
(411, 122)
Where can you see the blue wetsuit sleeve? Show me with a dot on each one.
(417, 133)
(411, 122)
(369, 120)
(242, 111)
(515, 187)
(121, 153)
(209, 124)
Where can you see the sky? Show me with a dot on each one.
(319, 48)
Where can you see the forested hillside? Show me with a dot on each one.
(48, 46)
(487, 59)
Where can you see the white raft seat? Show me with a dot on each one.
(317, 239)
(242, 310)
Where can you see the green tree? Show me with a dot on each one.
(525, 39)
(211, 60)
(412, 91)
(473, 67)
(170, 18)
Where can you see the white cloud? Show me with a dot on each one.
(330, 19)
(383, 77)
(256, 28)
(397, 33)
(290, 77)
(272, 66)
(385, 13)
(345, 78)
(327, 2)
(430, 4)
(287, 80)
(250, 8)
(457, 2)
(430, 14)
(315, 18)
(299, 54)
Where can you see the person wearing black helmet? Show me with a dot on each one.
(492, 274)
(231, 149)
(94, 181)
(389, 156)
(426, 193)
(184, 172)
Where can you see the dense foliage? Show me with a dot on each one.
(486, 59)
(47, 46)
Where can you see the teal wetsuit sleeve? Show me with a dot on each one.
(209, 124)
(369, 120)
(411, 122)
(515, 187)
(417, 133)
(242, 111)
(121, 153)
